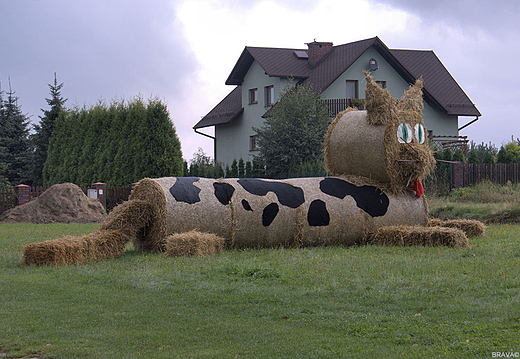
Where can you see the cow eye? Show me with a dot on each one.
(420, 133)
(404, 133)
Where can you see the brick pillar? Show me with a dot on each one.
(22, 194)
(458, 174)
(101, 192)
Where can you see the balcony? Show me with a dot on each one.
(336, 105)
(450, 142)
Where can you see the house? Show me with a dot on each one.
(336, 72)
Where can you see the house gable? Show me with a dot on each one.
(257, 68)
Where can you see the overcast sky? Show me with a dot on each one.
(182, 51)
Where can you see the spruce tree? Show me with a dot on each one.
(43, 130)
(14, 138)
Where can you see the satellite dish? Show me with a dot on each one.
(372, 63)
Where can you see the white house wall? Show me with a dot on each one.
(434, 119)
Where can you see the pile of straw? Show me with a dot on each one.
(403, 236)
(142, 220)
(72, 250)
(472, 228)
(193, 243)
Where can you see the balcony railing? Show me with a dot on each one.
(336, 105)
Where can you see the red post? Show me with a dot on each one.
(101, 192)
(22, 194)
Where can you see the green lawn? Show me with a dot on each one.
(327, 302)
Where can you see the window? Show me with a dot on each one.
(352, 89)
(253, 96)
(269, 96)
(253, 142)
(381, 84)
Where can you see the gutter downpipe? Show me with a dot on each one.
(214, 141)
(469, 123)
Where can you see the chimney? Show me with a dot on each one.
(317, 50)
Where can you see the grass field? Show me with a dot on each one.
(327, 302)
(486, 201)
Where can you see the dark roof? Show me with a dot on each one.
(437, 80)
(440, 88)
(335, 62)
(275, 62)
(226, 111)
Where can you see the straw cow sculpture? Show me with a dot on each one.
(378, 158)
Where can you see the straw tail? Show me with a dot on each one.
(141, 220)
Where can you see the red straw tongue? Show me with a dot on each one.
(418, 188)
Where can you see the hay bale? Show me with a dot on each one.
(371, 142)
(472, 228)
(255, 214)
(193, 243)
(348, 222)
(197, 210)
(402, 236)
(61, 203)
(73, 250)
(351, 134)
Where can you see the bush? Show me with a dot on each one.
(509, 153)
(487, 192)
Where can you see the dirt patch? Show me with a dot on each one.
(61, 203)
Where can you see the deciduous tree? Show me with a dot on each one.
(293, 132)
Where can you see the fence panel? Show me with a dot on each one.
(7, 198)
(117, 195)
(494, 172)
(37, 191)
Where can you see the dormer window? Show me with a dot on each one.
(253, 96)
(269, 95)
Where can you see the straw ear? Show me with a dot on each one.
(412, 99)
(378, 102)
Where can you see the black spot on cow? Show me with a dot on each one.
(318, 214)
(246, 205)
(185, 191)
(369, 198)
(269, 214)
(287, 194)
(223, 192)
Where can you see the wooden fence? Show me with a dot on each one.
(494, 172)
(115, 196)
(7, 198)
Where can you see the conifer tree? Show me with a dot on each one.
(241, 168)
(14, 138)
(43, 130)
(117, 144)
